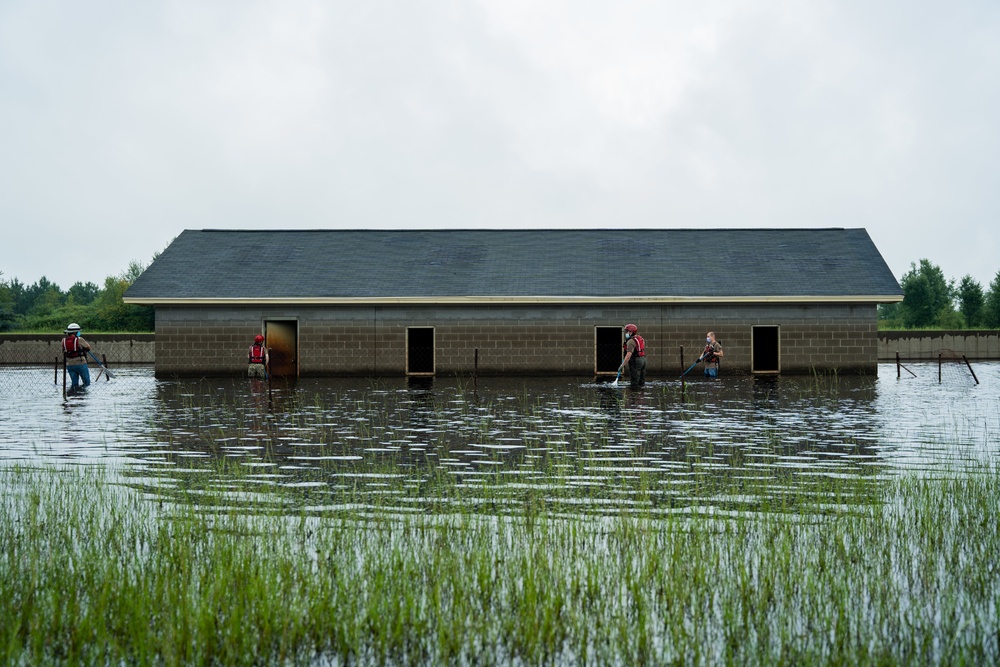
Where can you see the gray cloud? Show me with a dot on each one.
(124, 123)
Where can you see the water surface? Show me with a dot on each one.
(393, 435)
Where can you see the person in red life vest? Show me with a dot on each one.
(257, 358)
(75, 350)
(635, 356)
(712, 355)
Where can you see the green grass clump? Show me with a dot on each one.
(94, 570)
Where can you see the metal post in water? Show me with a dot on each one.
(939, 368)
(970, 369)
(682, 367)
(64, 378)
(55, 372)
(898, 373)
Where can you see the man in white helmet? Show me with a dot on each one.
(75, 350)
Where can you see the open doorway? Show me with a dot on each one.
(766, 357)
(282, 341)
(607, 350)
(420, 350)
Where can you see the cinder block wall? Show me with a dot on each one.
(825, 338)
(34, 348)
(978, 345)
(515, 340)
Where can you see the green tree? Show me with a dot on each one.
(45, 297)
(8, 319)
(82, 293)
(113, 314)
(890, 315)
(991, 309)
(971, 301)
(927, 295)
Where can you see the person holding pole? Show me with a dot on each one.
(712, 355)
(635, 357)
(75, 350)
(257, 359)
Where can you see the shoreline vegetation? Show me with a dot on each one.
(108, 565)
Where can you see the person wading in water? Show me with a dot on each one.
(712, 355)
(75, 350)
(257, 358)
(635, 356)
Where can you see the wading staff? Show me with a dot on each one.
(693, 365)
(110, 374)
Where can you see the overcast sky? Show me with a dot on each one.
(124, 123)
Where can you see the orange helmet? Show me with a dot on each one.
(258, 339)
(632, 329)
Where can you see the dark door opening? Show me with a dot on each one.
(607, 350)
(420, 351)
(281, 338)
(764, 341)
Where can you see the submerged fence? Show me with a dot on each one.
(113, 351)
(23, 349)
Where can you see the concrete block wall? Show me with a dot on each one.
(514, 340)
(835, 337)
(16, 348)
(205, 340)
(976, 345)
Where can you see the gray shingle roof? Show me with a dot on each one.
(602, 263)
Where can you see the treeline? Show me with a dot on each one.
(45, 307)
(929, 300)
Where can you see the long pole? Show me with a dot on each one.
(104, 360)
(970, 369)
(55, 372)
(682, 366)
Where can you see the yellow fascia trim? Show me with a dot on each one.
(481, 300)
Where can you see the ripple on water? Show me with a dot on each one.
(575, 432)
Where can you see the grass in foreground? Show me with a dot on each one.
(93, 571)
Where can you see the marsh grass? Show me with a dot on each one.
(96, 568)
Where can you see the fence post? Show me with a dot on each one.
(939, 368)
(682, 367)
(898, 374)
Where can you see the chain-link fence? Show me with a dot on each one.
(951, 367)
(24, 358)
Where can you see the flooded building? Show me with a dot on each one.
(515, 302)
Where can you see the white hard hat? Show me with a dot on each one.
(72, 328)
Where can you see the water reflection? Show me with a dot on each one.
(526, 434)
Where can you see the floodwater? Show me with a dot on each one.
(317, 433)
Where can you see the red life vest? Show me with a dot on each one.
(640, 345)
(709, 355)
(72, 348)
(257, 352)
